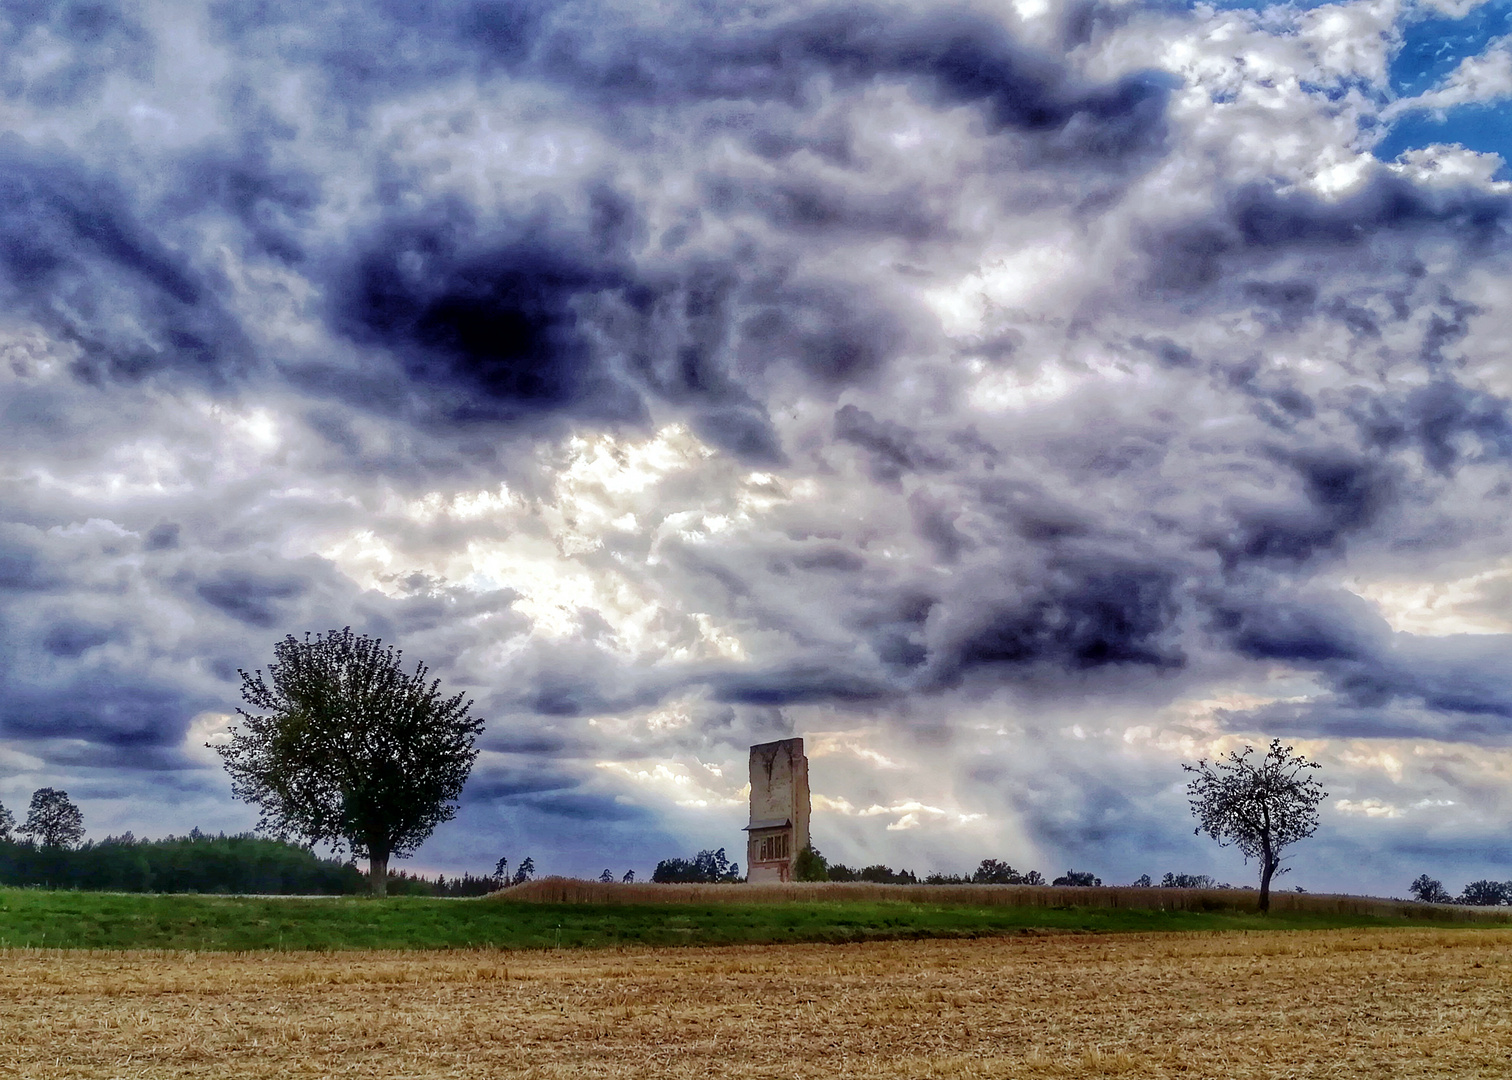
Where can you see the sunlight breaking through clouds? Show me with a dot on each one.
(1015, 402)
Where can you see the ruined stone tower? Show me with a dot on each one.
(779, 827)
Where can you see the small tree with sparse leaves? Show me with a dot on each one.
(525, 871)
(338, 745)
(629, 878)
(1261, 807)
(53, 820)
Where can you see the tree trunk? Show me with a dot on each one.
(378, 872)
(1267, 871)
(1269, 860)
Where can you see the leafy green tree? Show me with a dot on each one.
(1428, 890)
(707, 867)
(877, 873)
(1188, 881)
(1261, 807)
(996, 872)
(7, 822)
(1486, 893)
(1082, 879)
(340, 746)
(810, 865)
(52, 820)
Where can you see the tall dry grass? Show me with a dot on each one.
(557, 890)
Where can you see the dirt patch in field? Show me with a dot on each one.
(1398, 1003)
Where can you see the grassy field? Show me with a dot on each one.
(1404, 1004)
(558, 890)
(73, 920)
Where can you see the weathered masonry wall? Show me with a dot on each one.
(779, 825)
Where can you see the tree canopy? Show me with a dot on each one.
(338, 745)
(1429, 890)
(707, 867)
(1261, 807)
(53, 820)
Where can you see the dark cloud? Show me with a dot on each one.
(1449, 422)
(272, 200)
(100, 703)
(57, 53)
(802, 682)
(400, 315)
(504, 320)
(163, 537)
(1080, 613)
(894, 449)
(955, 56)
(78, 259)
(498, 786)
(1343, 493)
(73, 639)
(1259, 226)
(24, 566)
(250, 598)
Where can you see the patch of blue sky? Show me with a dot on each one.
(1433, 47)
(1260, 5)
(1486, 127)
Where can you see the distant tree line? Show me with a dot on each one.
(711, 867)
(811, 865)
(193, 863)
(705, 868)
(1483, 893)
(1187, 881)
(46, 852)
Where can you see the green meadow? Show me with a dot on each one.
(33, 918)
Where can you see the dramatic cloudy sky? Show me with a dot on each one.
(1014, 399)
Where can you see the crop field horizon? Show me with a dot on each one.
(1404, 1003)
(560, 890)
(570, 915)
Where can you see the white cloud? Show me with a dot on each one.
(1477, 80)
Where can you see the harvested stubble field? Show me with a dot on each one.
(1368, 1003)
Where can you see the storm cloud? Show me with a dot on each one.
(1013, 401)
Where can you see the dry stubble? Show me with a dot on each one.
(1414, 1003)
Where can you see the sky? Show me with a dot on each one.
(1013, 400)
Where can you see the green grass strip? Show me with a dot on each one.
(80, 920)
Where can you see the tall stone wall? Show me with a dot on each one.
(779, 824)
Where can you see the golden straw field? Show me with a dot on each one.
(1367, 1003)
